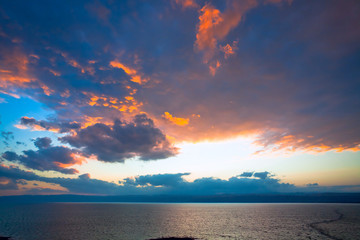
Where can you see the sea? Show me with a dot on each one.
(140, 221)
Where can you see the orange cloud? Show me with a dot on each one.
(127, 105)
(14, 70)
(213, 67)
(55, 73)
(46, 89)
(176, 120)
(228, 50)
(77, 159)
(127, 70)
(89, 121)
(65, 94)
(214, 26)
(37, 127)
(291, 143)
(135, 77)
(206, 37)
(72, 62)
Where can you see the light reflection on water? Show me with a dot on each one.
(204, 221)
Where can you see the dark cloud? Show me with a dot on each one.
(246, 174)
(81, 184)
(123, 140)
(7, 135)
(175, 184)
(46, 158)
(58, 126)
(312, 185)
(8, 184)
(10, 156)
(22, 182)
(41, 143)
(15, 173)
(172, 184)
(167, 180)
(262, 175)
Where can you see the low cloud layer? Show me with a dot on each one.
(171, 184)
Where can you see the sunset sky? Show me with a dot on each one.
(179, 96)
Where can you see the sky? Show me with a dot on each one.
(179, 97)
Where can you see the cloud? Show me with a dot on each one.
(8, 184)
(7, 136)
(167, 180)
(14, 71)
(135, 77)
(213, 67)
(55, 126)
(175, 120)
(46, 158)
(246, 174)
(99, 10)
(15, 173)
(172, 184)
(42, 143)
(10, 156)
(312, 185)
(187, 3)
(272, 91)
(261, 175)
(123, 140)
(206, 38)
(215, 26)
(228, 49)
(175, 184)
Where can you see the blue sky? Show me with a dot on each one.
(194, 95)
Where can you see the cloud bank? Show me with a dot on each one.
(172, 184)
(157, 184)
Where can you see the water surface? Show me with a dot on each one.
(203, 221)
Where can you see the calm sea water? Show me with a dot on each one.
(203, 221)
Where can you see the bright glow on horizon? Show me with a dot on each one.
(225, 159)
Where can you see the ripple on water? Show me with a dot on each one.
(57, 221)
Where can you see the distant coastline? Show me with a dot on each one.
(224, 198)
